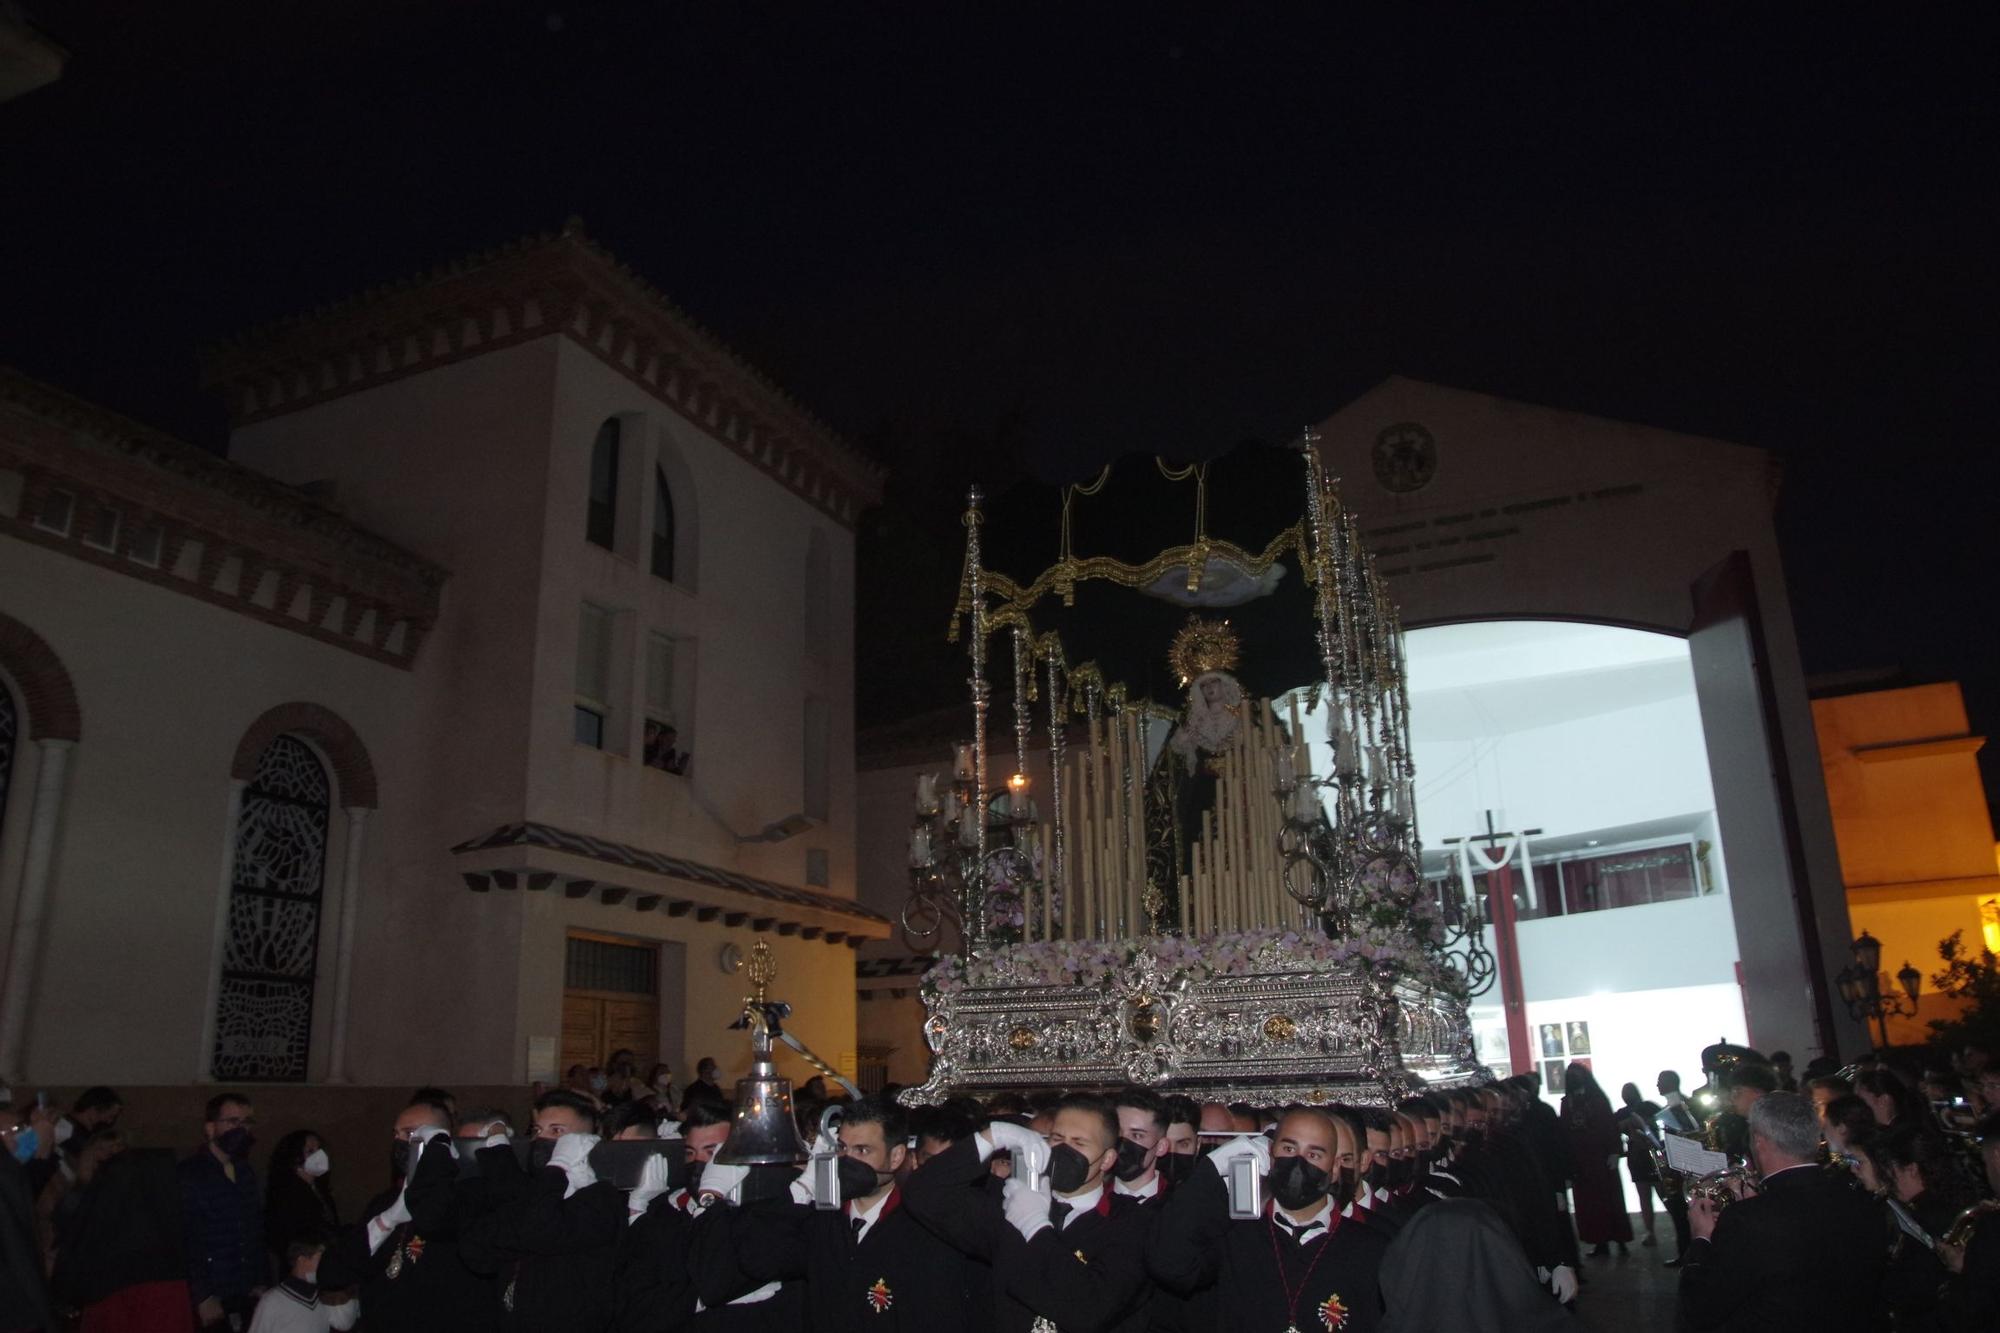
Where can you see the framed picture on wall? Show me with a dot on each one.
(1552, 1076)
(1579, 1039)
(1552, 1040)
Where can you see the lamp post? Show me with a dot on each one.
(1861, 987)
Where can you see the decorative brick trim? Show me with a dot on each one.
(48, 693)
(352, 767)
(553, 284)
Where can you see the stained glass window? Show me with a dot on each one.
(264, 1016)
(601, 522)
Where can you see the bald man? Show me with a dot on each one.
(1300, 1265)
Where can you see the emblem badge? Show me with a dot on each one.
(1332, 1314)
(1406, 457)
(879, 1296)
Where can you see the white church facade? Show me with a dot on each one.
(471, 720)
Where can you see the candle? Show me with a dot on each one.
(968, 829)
(927, 798)
(1347, 757)
(948, 807)
(961, 766)
(1305, 804)
(920, 846)
(1285, 770)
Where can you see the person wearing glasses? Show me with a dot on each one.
(222, 1210)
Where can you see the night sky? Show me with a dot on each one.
(1040, 237)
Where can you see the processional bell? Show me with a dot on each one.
(764, 1132)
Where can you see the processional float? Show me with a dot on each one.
(1222, 895)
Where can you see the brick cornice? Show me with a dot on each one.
(352, 767)
(106, 462)
(561, 284)
(53, 711)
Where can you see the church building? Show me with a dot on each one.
(473, 719)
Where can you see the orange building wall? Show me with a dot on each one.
(1913, 829)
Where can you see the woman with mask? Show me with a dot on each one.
(297, 1202)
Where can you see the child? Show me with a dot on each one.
(294, 1305)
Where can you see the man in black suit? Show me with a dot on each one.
(866, 1264)
(1062, 1256)
(1805, 1253)
(1302, 1264)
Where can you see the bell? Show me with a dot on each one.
(764, 1133)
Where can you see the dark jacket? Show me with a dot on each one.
(899, 1276)
(1972, 1298)
(652, 1288)
(24, 1298)
(223, 1227)
(293, 1210)
(1263, 1278)
(553, 1257)
(1090, 1275)
(722, 1273)
(1806, 1254)
(126, 1230)
(416, 1280)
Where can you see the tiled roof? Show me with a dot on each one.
(659, 863)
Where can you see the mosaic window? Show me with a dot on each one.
(264, 1016)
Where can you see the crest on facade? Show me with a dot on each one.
(1406, 457)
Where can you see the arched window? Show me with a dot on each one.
(10, 731)
(263, 1021)
(663, 525)
(601, 524)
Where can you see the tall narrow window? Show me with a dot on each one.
(593, 675)
(818, 774)
(819, 591)
(666, 744)
(663, 526)
(10, 731)
(263, 1021)
(601, 526)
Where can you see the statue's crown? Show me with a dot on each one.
(1202, 646)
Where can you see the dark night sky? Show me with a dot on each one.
(1092, 229)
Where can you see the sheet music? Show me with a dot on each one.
(1690, 1158)
(1909, 1223)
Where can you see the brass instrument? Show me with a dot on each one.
(1722, 1188)
(1959, 1233)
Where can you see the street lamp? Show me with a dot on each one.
(1861, 987)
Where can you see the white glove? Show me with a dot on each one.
(572, 1155)
(1006, 1134)
(723, 1180)
(668, 1129)
(386, 1221)
(1253, 1146)
(1027, 1212)
(652, 1184)
(499, 1138)
(1563, 1283)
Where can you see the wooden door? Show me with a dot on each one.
(598, 1019)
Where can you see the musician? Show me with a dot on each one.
(1747, 1083)
(1797, 1254)
(1676, 1115)
(1914, 1164)
(1299, 1266)
(1972, 1297)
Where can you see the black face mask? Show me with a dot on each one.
(1400, 1171)
(1176, 1167)
(857, 1178)
(694, 1178)
(399, 1158)
(539, 1152)
(1473, 1136)
(1131, 1163)
(236, 1142)
(1068, 1169)
(1377, 1174)
(1295, 1183)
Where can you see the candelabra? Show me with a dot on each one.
(953, 879)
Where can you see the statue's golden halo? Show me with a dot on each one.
(1202, 646)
